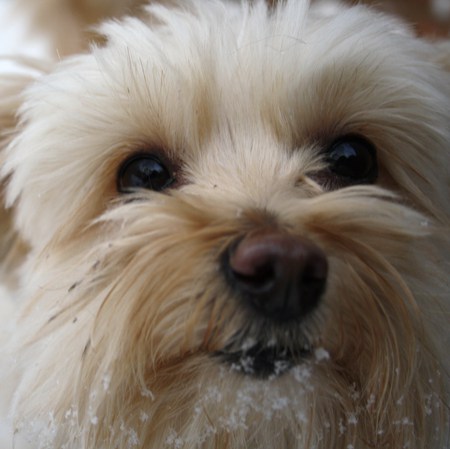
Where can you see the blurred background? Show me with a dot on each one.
(429, 17)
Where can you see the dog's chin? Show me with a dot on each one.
(264, 361)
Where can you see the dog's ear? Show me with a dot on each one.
(11, 88)
(18, 75)
(9, 102)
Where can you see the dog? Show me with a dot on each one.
(228, 227)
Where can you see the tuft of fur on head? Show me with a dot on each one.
(125, 312)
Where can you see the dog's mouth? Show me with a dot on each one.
(264, 360)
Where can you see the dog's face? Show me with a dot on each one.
(234, 220)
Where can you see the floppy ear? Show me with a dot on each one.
(10, 90)
(11, 87)
(13, 82)
(17, 74)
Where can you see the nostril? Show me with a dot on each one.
(313, 279)
(280, 275)
(258, 279)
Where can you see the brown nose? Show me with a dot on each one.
(281, 276)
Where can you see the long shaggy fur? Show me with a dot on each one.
(123, 307)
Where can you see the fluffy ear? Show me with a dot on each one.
(10, 90)
(18, 73)
(12, 84)
(11, 87)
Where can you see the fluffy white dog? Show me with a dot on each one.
(227, 228)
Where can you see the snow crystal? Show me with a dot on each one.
(174, 441)
(248, 344)
(404, 422)
(370, 401)
(280, 367)
(321, 354)
(352, 419)
(94, 420)
(131, 434)
(235, 420)
(354, 393)
(302, 373)
(208, 432)
(213, 394)
(146, 393)
(279, 403)
(133, 439)
(245, 364)
(407, 422)
(106, 381)
(46, 432)
(301, 416)
(92, 416)
(71, 416)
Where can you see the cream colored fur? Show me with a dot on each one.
(122, 303)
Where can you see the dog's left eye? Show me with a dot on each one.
(144, 172)
(353, 158)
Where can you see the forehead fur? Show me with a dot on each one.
(213, 80)
(291, 70)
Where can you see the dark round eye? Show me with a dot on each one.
(353, 160)
(143, 172)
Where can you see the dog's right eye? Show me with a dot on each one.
(145, 171)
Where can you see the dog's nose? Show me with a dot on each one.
(280, 275)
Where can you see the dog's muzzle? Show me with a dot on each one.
(282, 277)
